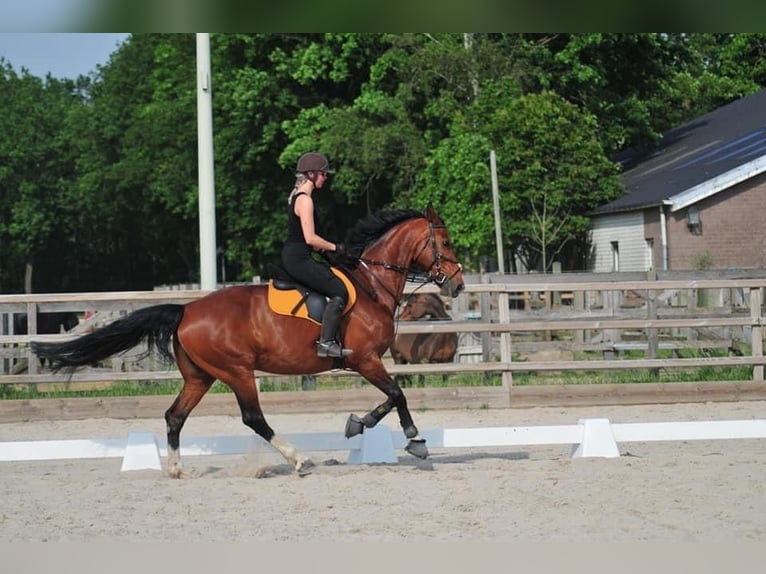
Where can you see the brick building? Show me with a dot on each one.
(697, 201)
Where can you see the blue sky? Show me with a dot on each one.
(63, 55)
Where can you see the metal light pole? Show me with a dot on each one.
(496, 206)
(503, 302)
(207, 250)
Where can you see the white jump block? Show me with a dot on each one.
(689, 430)
(61, 449)
(502, 436)
(141, 452)
(597, 440)
(595, 437)
(376, 446)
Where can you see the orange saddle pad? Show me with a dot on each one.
(296, 302)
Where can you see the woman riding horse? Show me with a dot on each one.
(232, 332)
(303, 239)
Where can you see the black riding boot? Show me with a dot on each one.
(327, 345)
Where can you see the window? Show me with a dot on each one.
(615, 255)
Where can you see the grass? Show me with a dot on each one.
(330, 382)
(115, 389)
(618, 376)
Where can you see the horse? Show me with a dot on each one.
(229, 333)
(47, 323)
(423, 347)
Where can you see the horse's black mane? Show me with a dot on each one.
(368, 229)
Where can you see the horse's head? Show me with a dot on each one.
(438, 257)
(419, 305)
(415, 243)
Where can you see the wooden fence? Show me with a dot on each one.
(507, 324)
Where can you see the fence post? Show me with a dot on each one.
(652, 333)
(556, 295)
(756, 331)
(31, 331)
(10, 363)
(486, 316)
(611, 307)
(503, 302)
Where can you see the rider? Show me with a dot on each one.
(312, 172)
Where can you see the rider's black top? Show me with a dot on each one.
(298, 261)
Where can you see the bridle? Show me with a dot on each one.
(437, 276)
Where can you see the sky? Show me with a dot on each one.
(63, 55)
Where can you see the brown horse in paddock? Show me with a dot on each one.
(231, 332)
(47, 323)
(423, 347)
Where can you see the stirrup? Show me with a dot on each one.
(332, 349)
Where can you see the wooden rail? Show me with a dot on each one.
(503, 325)
(356, 400)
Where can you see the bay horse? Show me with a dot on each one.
(47, 323)
(229, 333)
(414, 348)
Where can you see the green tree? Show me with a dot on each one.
(617, 78)
(275, 97)
(457, 181)
(249, 102)
(135, 143)
(709, 71)
(36, 170)
(551, 171)
(99, 176)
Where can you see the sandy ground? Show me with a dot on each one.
(664, 491)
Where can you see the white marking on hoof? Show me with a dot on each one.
(174, 464)
(298, 461)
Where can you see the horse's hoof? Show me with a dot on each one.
(417, 447)
(175, 472)
(354, 426)
(262, 472)
(305, 468)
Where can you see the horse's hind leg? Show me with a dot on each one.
(196, 383)
(252, 415)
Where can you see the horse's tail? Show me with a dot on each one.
(156, 325)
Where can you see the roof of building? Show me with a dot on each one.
(698, 159)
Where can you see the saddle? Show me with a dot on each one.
(288, 297)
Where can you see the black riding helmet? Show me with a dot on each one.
(313, 161)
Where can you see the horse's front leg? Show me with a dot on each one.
(377, 375)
